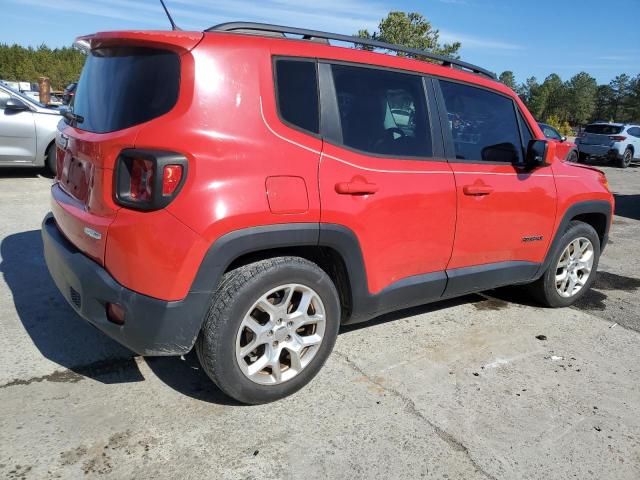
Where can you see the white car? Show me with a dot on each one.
(618, 142)
(27, 131)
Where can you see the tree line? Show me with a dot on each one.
(25, 64)
(580, 99)
(563, 104)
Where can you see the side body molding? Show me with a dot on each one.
(405, 293)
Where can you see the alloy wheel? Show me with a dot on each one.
(574, 267)
(280, 334)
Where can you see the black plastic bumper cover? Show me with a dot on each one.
(152, 326)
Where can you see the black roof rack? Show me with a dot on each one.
(251, 27)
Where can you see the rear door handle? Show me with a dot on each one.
(477, 190)
(356, 188)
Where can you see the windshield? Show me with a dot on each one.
(125, 86)
(603, 129)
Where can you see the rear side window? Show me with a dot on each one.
(297, 92)
(635, 131)
(125, 86)
(483, 124)
(603, 129)
(382, 112)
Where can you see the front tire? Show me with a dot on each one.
(625, 161)
(572, 156)
(572, 269)
(270, 327)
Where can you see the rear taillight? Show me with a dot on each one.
(171, 177)
(148, 179)
(141, 180)
(617, 138)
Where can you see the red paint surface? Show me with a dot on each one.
(247, 168)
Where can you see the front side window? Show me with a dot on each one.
(4, 97)
(382, 112)
(482, 123)
(297, 93)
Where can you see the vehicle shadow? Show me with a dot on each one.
(61, 336)
(54, 328)
(628, 206)
(64, 338)
(24, 172)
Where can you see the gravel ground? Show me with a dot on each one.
(457, 389)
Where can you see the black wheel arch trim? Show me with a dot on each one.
(580, 208)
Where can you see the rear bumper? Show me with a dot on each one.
(152, 326)
(599, 151)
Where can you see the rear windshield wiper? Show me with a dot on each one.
(72, 117)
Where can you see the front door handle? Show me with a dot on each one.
(356, 188)
(477, 190)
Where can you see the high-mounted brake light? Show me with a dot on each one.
(148, 179)
(617, 138)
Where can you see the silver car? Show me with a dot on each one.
(618, 142)
(27, 131)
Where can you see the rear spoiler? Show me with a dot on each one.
(174, 40)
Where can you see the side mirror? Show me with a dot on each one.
(536, 154)
(15, 105)
(563, 139)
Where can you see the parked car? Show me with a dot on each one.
(248, 194)
(69, 92)
(27, 131)
(617, 142)
(569, 149)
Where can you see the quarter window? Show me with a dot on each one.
(297, 90)
(635, 131)
(527, 136)
(483, 124)
(382, 112)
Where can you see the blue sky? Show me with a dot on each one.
(529, 37)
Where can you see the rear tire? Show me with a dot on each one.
(567, 279)
(270, 305)
(625, 161)
(50, 161)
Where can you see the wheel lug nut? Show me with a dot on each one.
(279, 321)
(290, 324)
(275, 344)
(288, 338)
(270, 333)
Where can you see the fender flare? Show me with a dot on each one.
(580, 208)
(231, 246)
(406, 292)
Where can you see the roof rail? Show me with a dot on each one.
(251, 27)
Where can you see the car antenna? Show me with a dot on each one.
(173, 24)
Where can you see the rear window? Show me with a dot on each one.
(125, 86)
(603, 129)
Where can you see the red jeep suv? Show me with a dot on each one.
(251, 188)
